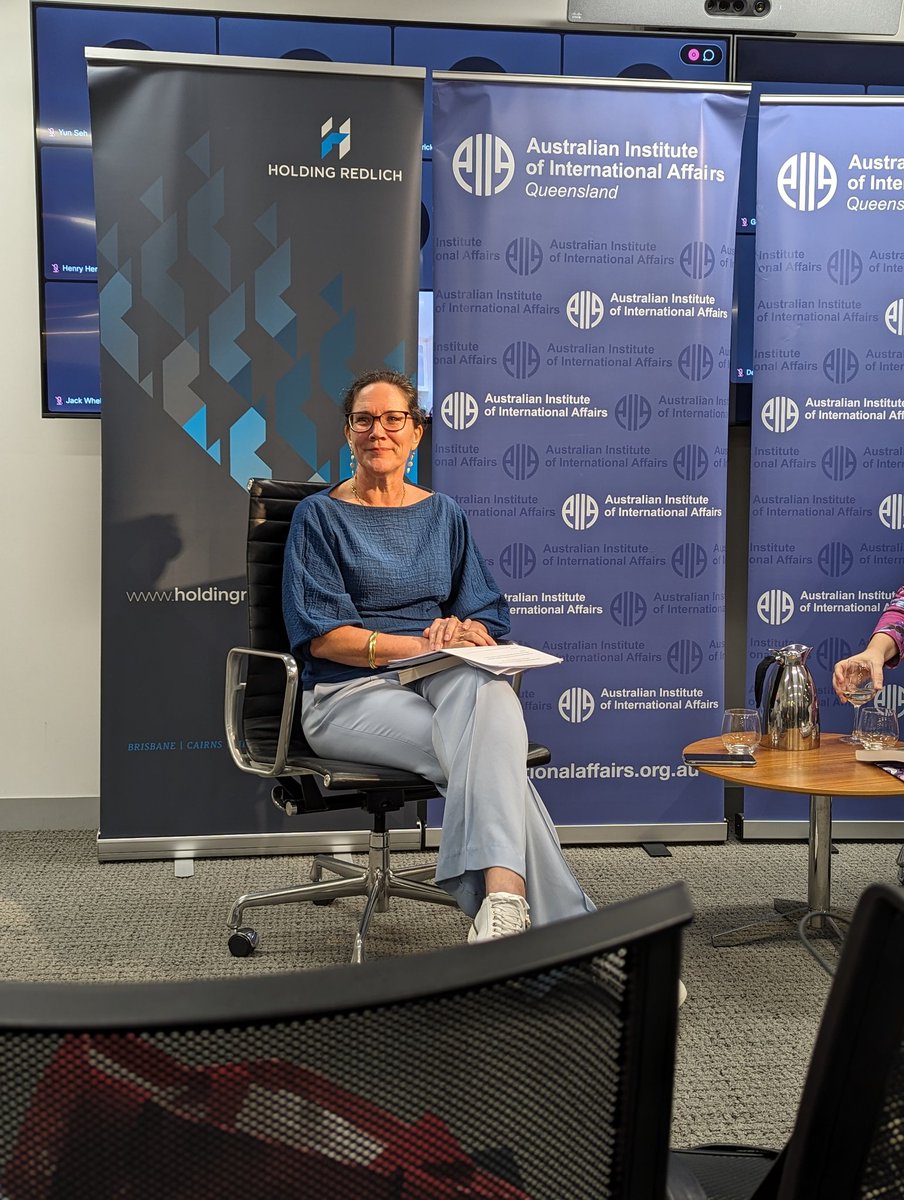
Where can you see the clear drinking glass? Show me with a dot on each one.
(740, 730)
(878, 728)
(858, 694)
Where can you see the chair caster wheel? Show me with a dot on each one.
(323, 903)
(243, 942)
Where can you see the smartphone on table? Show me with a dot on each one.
(719, 759)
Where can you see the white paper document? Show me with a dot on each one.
(498, 660)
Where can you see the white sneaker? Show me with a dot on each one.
(501, 914)
(682, 993)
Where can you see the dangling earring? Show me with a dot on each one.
(410, 463)
(353, 466)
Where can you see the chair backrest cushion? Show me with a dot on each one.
(272, 503)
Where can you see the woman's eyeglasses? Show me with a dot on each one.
(362, 422)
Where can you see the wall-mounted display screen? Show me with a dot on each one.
(68, 257)
(71, 341)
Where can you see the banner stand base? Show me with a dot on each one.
(798, 831)
(247, 845)
(626, 835)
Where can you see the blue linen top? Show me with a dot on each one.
(393, 570)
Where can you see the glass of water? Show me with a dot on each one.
(858, 694)
(878, 728)
(740, 730)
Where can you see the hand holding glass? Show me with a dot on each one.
(878, 728)
(741, 730)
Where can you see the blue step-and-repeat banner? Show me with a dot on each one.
(583, 269)
(827, 445)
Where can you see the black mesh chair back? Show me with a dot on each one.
(539, 1066)
(848, 1139)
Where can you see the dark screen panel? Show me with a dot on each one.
(703, 60)
(69, 247)
(71, 349)
(323, 41)
(476, 49)
(61, 35)
(862, 63)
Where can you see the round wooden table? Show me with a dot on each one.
(830, 770)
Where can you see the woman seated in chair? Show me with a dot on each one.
(378, 569)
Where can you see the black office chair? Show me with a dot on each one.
(848, 1137)
(264, 735)
(537, 1066)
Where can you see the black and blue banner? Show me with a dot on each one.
(583, 268)
(827, 444)
(258, 235)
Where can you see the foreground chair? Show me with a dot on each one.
(848, 1137)
(538, 1066)
(264, 737)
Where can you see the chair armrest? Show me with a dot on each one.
(233, 709)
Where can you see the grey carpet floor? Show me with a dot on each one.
(746, 1031)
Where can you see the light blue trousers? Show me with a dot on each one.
(462, 729)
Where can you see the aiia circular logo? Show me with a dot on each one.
(459, 410)
(807, 181)
(685, 656)
(894, 318)
(695, 362)
(840, 365)
(576, 705)
(780, 414)
(830, 651)
(585, 310)
(891, 512)
(521, 360)
(835, 559)
(517, 560)
(580, 511)
(689, 560)
(524, 256)
(520, 461)
(844, 266)
(691, 462)
(633, 411)
(891, 696)
(697, 260)
(839, 463)
(483, 165)
(775, 607)
(628, 609)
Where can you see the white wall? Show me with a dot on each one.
(50, 591)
